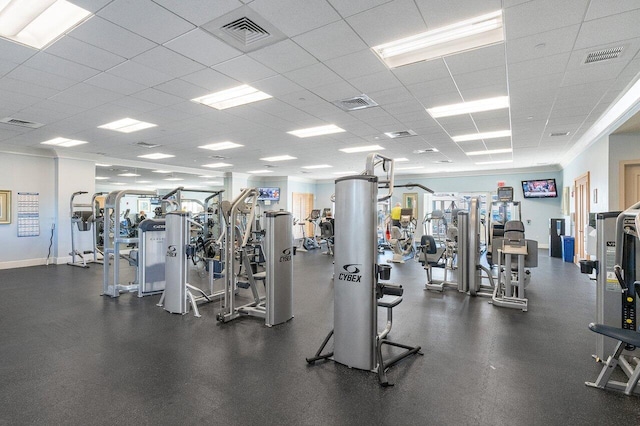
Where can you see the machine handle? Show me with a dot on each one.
(375, 159)
(390, 289)
(618, 271)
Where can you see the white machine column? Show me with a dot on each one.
(278, 249)
(176, 269)
(355, 305)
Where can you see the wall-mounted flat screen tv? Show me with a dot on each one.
(539, 188)
(269, 194)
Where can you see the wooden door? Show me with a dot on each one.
(581, 197)
(630, 184)
(302, 206)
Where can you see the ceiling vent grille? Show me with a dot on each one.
(21, 123)
(444, 161)
(218, 157)
(244, 29)
(425, 151)
(147, 145)
(270, 166)
(355, 103)
(603, 55)
(401, 134)
(556, 134)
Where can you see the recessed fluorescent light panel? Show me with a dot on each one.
(173, 179)
(494, 162)
(229, 98)
(103, 165)
(459, 37)
(490, 152)
(128, 174)
(278, 158)
(143, 181)
(488, 104)
(256, 172)
(362, 149)
(479, 136)
(161, 171)
(213, 183)
(156, 156)
(64, 142)
(317, 131)
(220, 146)
(350, 172)
(101, 178)
(318, 166)
(38, 23)
(409, 168)
(216, 165)
(127, 125)
(400, 160)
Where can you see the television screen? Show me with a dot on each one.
(268, 194)
(539, 188)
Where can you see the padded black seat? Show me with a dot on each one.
(389, 301)
(631, 337)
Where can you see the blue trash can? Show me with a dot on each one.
(568, 247)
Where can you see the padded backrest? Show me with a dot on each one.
(395, 233)
(514, 230)
(429, 244)
(326, 229)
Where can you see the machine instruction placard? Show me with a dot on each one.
(28, 214)
(612, 281)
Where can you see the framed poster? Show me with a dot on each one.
(144, 205)
(5, 207)
(410, 201)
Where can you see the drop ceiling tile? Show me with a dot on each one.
(538, 67)
(168, 62)
(139, 73)
(182, 89)
(244, 69)
(388, 22)
(380, 81)
(494, 124)
(111, 37)
(49, 63)
(27, 88)
(283, 56)
(430, 89)
(115, 84)
(320, 110)
(611, 29)
(293, 17)
(158, 97)
(83, 53)
(601, 8)
(199, 12)
(440, 14)
(336, 91)
(487, 77)
(211, 80)
(313, 76)
(589, 75)
(391, 96)
(276, 86)
(422, 71)
(86, 96)
(542, 44)
(497, 144)
(41, 78)
(146, 19)
(331, 41)
(476, 60)
(356, 64)
(129, 103)
(458, 125)
(202, 47)
(549, 14)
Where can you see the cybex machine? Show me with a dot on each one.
(617, 271)
(243, 251)
(83, 219)
(357, 290)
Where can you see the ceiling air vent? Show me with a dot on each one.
(147, 145)
(218, 157)
(603, 55)
(244, 29)
(270, 166)
(355, 103)
(555, 134)
(21, 123)
(401, 134)
(425, 151)
(444, 161)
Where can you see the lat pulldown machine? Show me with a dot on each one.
(357, 290)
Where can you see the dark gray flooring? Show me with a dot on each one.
(69, 356)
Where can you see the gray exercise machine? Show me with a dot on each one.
(617, 267)
(83, 219)
(151, 256)
(358, 290)
(274, 252)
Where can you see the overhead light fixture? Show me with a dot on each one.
(156, 156)
(127, 125)
(213, 183)
(465, 35)
(256, 172)
(143, 181)
(479, 136)
(173, 179)
(494, 162)
(221, 145)
(488, 104)
(101, 178)
(317, 131)
(239, 95)
(216, 165)
(279, 158)
(161, 171)
(362, 149)
(318, 166)
(38, 23)
(400, 160)
(490, 152)
(117, 183)
(128, 174)
(409, 168)
(64, 142)
(103, 165)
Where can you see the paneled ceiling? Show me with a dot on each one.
(147, 59)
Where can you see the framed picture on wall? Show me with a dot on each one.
(144, 205)
(410, 201)
(5, 207)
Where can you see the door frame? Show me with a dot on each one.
(580, 223)
(622, 181)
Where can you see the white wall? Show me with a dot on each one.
(622, 147)
(25, 173)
